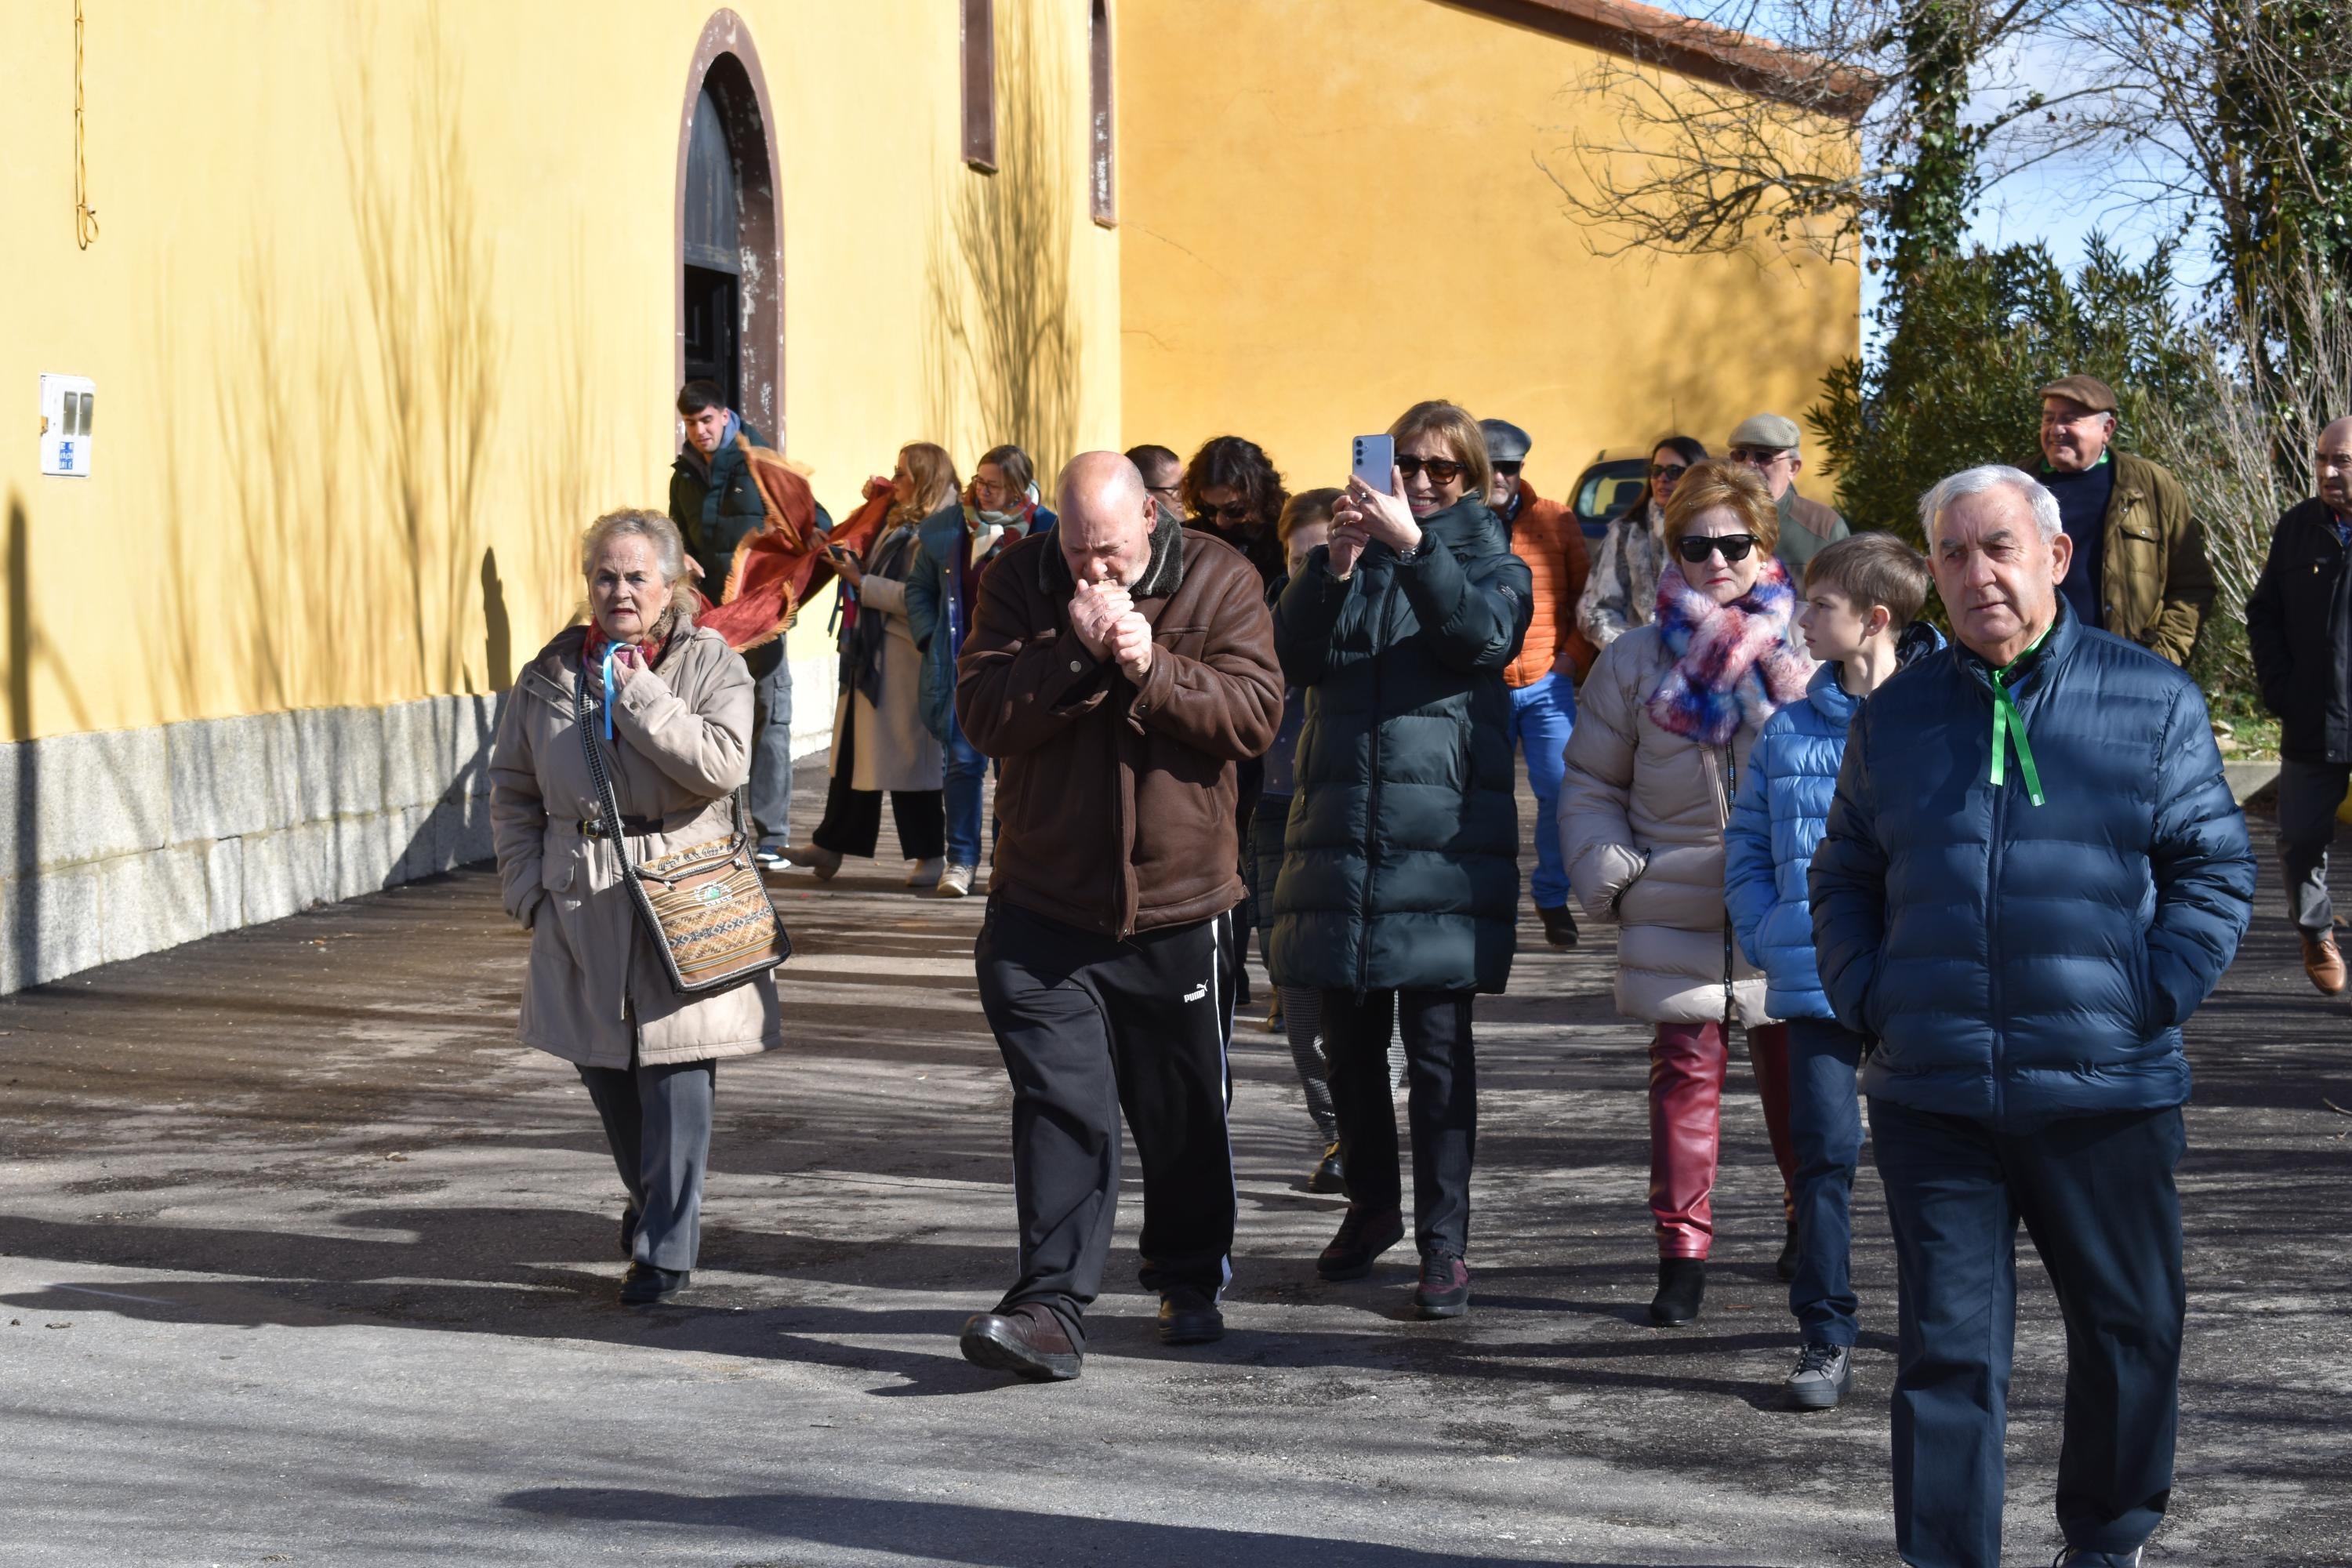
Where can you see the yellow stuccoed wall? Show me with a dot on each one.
(1331, 210)
(312, 211)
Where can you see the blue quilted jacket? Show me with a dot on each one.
(2020, 964)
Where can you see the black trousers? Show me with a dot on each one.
(1089, 1027)
(853, 821)
(2096, 1195)
(1441, 1069)
(658, 1124)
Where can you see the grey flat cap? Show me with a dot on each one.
(1505, 442)
(1774, 430)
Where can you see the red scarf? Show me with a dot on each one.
(649, 652)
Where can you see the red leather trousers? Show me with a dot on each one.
(1687, 1068)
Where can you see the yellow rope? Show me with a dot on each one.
(85, 215)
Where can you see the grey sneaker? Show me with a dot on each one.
(1825, 1375)
(2077, 1557)
(955, 882)
(925, 873)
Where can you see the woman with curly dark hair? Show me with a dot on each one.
(1233, 491)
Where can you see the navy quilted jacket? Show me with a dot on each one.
(1400, 864)
(2020, 963)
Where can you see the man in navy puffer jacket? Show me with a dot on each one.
(2034, 873)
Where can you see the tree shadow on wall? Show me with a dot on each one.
(1005, 345)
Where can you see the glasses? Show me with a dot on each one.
(1441, 471)
(1171, 492)
(1508, 470)
(1694, 548)
(1757, 457)
(1232, 512)
(1667, 473)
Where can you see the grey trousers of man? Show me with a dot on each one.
(2308, 794)
(657, 1121)
(771, 743)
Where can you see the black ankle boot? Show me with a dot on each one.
(1682, 1282)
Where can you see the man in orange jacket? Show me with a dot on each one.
(1542, 679)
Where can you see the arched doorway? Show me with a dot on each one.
(729, 275)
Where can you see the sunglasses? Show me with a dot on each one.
(1232, 512)
(1441, 471)
(1669, 472)
(1508, 470)
(1694, 548)
(1757, 457)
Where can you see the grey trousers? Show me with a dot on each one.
(2308, 794)
(771, 743)
(657, 1121)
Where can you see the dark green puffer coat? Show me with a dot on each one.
(1400, 863)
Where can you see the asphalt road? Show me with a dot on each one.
(303, 1259)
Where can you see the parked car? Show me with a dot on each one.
(1608, 486)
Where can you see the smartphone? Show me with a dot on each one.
(1375, 461)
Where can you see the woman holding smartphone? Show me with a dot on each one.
(1400, 884)
(1666, 719)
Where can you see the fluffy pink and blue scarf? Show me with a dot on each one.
(1734, 663)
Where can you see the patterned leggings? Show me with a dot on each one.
(1302, 1022)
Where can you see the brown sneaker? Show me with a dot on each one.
(2324, 961)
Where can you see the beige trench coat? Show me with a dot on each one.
(891, 748)
(1642, 818)
(597, 993)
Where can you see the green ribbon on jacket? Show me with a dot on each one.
(2008, 724)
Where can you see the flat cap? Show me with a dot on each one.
(1505, 442)
(1774, 430)
(2087, 390)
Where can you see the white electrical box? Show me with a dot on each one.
(65, 403)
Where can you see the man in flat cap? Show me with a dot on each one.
(2140, 568)
(1542, 678)
(1767, 443)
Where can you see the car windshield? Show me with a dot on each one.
(1608, 488)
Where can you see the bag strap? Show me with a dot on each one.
(609, 803)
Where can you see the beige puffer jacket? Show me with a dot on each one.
(597, 992)
(1641, 823)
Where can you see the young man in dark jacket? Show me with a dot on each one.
(2299, 621)
(1117, 669)
(2034, 873)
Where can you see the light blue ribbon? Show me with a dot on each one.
(611, 649)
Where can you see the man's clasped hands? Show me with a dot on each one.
(1106, 620)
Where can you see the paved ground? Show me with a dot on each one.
(303, 1260)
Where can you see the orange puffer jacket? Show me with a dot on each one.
(1545, 536)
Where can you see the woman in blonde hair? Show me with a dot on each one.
(879, 741)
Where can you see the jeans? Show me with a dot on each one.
(1687, 1063)
(1825, 1132)
(963, 769)
(1542, 714)
(771, 743)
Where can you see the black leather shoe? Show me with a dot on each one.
(1682, 1285)
(1189, 1317)
(1785, 1264)
(1027, 1342)
(1329, 1175)
(629, 1231)
(1364, 1236)
(643, 1284)
(1559, 926)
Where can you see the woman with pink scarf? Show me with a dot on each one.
(1666, 720)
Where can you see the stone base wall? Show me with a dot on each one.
(129, 841)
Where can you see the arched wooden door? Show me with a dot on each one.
(730, 274)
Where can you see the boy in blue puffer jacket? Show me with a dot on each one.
(1862, 597)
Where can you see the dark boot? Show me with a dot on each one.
(1682, 1284)
(644, 1285)
(1559, 926)
(1364, 1236)
(1329, 1175)
(1190, 1317)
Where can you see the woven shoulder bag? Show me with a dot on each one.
(704, 907)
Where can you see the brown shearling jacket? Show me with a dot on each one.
(1116, 802)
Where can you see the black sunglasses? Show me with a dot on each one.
(1444, 470)
(1232, 512)
(1695, 547)
(1668, 470)
(1508, 470)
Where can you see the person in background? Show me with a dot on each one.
(1163, 477)
(1670, 713)
(1119, 669)
(1622, 590)
(716, 504)
(1768, 443)
(2299, 622)
(1542, 678)
(596, 993)
(1399, 629)
(2140, 569)
(1860, 623)
(878, 739)
(2033, 873)
(998, 510)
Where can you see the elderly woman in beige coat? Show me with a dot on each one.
(880, 739)
(597, 994)
(1664, 723)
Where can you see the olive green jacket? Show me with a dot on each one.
(2154, 583)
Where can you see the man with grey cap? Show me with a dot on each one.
(1542, 678)
(1768, 443)
(2140, 568)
